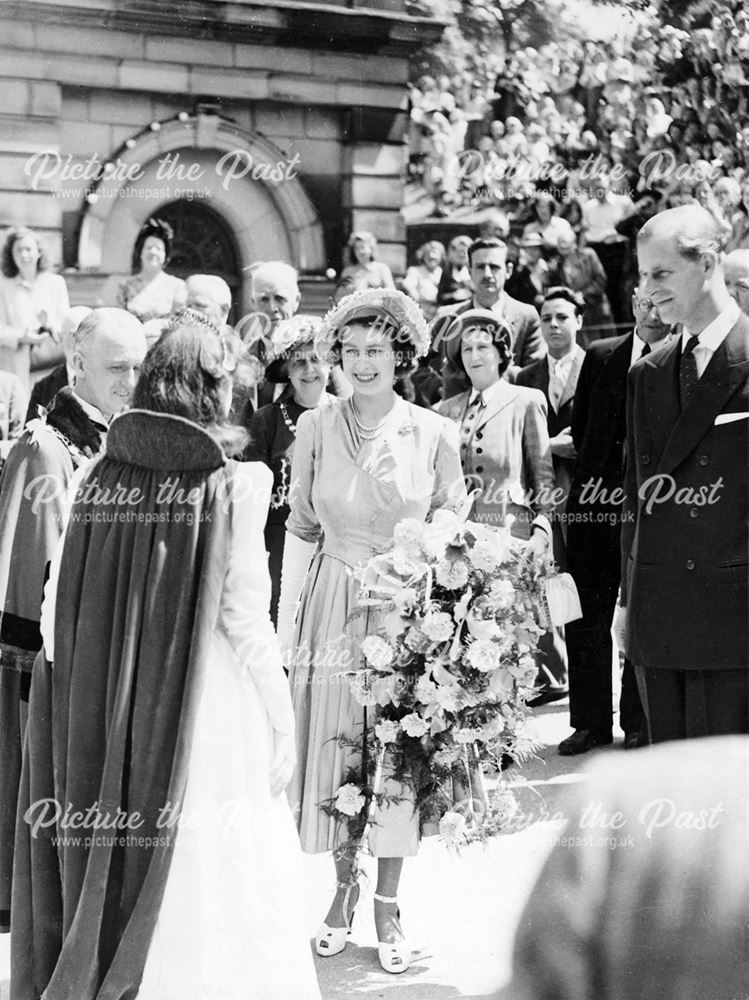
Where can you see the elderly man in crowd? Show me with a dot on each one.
(736, 269)
(275, 297)
(108, 348)
(210, 296)
(684, 544)
(489, 271)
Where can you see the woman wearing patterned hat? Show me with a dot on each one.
(273, 427)
(358, 469)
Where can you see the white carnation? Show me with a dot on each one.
(349, 800)
(463, 736)
(437, 626)
(387, 731)
(452, 574)
(447, 697)
(377, 652)
(426, 691)
(502, 593)
(414, 725)
(452, 829)
(483, 655)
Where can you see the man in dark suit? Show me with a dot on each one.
(593, 519)
(684, 553)
(556, 377)
(489, 271)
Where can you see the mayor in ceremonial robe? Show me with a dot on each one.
(109, 347)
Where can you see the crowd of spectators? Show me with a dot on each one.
(579, 143)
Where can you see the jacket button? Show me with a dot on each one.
(479, 451)
(703, 460)
(645, 459)
(479, 468)
(479, 435)
(694, 512)
(690, 563)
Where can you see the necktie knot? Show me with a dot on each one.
(645, 351)
(691, 344)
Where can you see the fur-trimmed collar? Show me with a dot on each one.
(70, 420)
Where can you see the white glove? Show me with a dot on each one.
(619, 628)
(297, 556)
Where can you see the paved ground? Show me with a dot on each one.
(463, 910)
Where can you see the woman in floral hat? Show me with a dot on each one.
(273, 427)
(358, 469)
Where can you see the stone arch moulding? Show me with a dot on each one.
(207, 134)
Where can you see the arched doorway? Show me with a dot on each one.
(266, 220)
(203, 244)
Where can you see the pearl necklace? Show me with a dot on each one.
(369, 433)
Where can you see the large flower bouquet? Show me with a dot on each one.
(448, 670)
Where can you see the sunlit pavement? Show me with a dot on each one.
(463, 910)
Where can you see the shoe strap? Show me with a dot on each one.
(385, 899)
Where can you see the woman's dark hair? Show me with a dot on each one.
(501, 338)
(9, 268)
(158, 228)
(187, 373)
(405, 349)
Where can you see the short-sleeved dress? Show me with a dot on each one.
(347, 495)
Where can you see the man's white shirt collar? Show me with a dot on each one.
(716, 332)
(712, 336)
(563, 364)
(498, 307)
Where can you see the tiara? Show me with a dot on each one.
(388, 303)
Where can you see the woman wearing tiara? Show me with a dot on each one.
(358, 469)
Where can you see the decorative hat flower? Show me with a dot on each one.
(391, 307)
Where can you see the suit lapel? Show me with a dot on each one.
(538, 375)
(728, 367)
(662, 394)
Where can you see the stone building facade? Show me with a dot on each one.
(260, 128)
